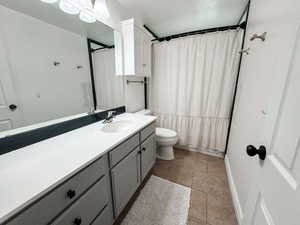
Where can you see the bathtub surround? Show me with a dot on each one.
(192, 87)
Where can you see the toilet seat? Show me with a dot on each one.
(165, 133)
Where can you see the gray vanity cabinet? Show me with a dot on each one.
(64, 195)
(84, 211)
(148, 155)
(82, 198)
(125, 178)
(128, 171)
(98, 193)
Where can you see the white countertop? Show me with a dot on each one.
(29, 172)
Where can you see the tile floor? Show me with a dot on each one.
(211, 202)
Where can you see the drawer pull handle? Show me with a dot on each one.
(144, 149)
(77, 221)
(71, 194)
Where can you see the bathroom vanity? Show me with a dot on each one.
(85, 176)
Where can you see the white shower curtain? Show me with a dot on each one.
(192, 87)
(109, 87)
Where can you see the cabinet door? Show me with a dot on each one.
(125, 180)
(148, 155)
(138, 51)
(146, 55)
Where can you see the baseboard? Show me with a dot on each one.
(234, 194)
(203, 151)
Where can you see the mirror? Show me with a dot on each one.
(109, 88)
(45, 68)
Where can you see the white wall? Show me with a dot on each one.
(45, 92)
(134, 94)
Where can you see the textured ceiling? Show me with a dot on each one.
(167, 17)
(164, 17)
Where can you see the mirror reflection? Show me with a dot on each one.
(108, 86)
(45, 69)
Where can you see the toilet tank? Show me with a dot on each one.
(144, 112)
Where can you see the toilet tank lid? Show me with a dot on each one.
(144, 112)
(163, 132)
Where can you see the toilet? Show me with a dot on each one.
(165, 140)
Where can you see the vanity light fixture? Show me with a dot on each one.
(67, 7)
(87, 9)
(100, 9)
(87, 12)
(49, 1)
(87, 17)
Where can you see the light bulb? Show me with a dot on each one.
(100, 9)
(48, 1)
(68, 7)
(87, 17)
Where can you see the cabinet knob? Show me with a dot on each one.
(13, 107)
(77, 221)
(144, 149)
(140, 152)
(71, 194)
(144, 64)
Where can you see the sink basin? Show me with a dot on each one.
(117, 126)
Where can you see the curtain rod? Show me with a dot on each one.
(150, 31)
(168, 38)
(100, 43)
(97, 49)
(244, 12)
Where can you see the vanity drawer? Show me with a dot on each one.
(147, 131)
(44, 210)
(105, 217)
(87, 207)
(123, 149)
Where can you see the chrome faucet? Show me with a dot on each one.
(110, 116)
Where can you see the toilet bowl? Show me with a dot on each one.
(165, 140)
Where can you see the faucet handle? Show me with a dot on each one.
(111, 113)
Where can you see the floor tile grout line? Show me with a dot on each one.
(209, 162)
(206, 209)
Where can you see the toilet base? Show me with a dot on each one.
(165, 152)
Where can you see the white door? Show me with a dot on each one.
(9, 109)
(267, 113)
(278, 200)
